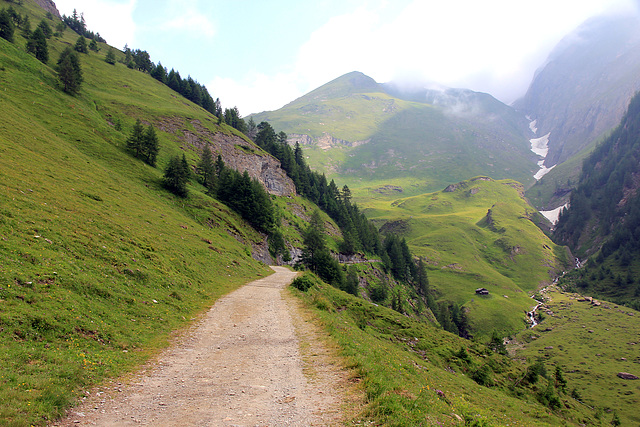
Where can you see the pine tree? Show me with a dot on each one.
(46, 29)
(37, 45)
(151, 146)
(207, 170)
(110, 58)
(69, 71)
(176, 177)
(136, 139)
(7, 27)
(94, 45)
(352, 281)
(81, 45)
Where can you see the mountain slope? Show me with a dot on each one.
(604, 215)
(477, 233)
(98, 262)
(357, 129)
(584, 88)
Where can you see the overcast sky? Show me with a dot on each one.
(259, 55)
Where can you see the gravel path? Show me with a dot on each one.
(241, 365)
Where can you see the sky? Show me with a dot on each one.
(259, 55)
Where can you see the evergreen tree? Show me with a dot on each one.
(26, 27)
(69, 71)
(37, 44)
(81, 45)
(151, 147)
(46, 29)
(135, 143)
(252, 129)
(352, 281)
(94, 45)
(313, 240)
(207, 170)
(560, 380)
(159, 73)
(7, 27)
(110, 58)
(176, 176)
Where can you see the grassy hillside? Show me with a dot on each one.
(414, 374)
(478, 233)
(363, 131)
(98, 263)
(593, 343)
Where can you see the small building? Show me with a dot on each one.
(482, 291)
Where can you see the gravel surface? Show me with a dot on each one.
(241, 365)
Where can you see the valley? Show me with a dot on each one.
(419, 219)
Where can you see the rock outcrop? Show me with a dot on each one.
(49, 6)
(236, 152)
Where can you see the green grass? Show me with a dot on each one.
(413, 375)
(98, 263)
(590, 343)
(467, 248)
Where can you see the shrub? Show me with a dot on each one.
(303, 283)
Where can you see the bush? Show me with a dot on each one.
(303, 283)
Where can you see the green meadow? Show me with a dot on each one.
(478, 233)
(592, 343)
(414, 374)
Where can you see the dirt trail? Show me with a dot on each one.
(239, 366)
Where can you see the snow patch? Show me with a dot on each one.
(554, 214)
(543, 170)
(540, 146)
(533, 126)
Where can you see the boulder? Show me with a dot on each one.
(627, 376)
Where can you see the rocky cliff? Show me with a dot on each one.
(236, 152)
(49, 6)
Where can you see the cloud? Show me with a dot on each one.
(493, 46)
(185, 17)
(100, 16)
(257, 92)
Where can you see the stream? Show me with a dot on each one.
(532, 314)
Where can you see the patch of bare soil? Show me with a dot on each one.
(241, 365)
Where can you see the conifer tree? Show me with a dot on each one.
(7, 27)
(37, 44)
(69, 71)
(207, 170)
(81, 45)
(352, 281)
(136, 139)
(110, 58)
(94, 45)
(176, 176)
(46, 29)
(151, 147)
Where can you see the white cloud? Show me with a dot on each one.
(101, 15)
(257, 92)
(184, 16)
(492, 46)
